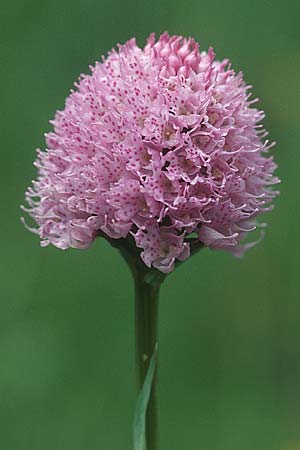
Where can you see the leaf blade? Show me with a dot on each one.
(139, 423)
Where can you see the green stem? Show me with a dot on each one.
(146, 319)
(147, 285)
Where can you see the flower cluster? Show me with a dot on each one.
(160, 143)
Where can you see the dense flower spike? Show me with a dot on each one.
(157, 143)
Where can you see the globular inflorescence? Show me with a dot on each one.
(162, 144)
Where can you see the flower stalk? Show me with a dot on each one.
(146, 339)
(147, 283)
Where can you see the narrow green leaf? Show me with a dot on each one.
(139, 424)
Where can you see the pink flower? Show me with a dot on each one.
(157, 143)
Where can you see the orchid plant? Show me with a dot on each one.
(160, 152)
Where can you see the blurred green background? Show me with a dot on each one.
(229, 329)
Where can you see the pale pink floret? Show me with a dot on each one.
(159, 143)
